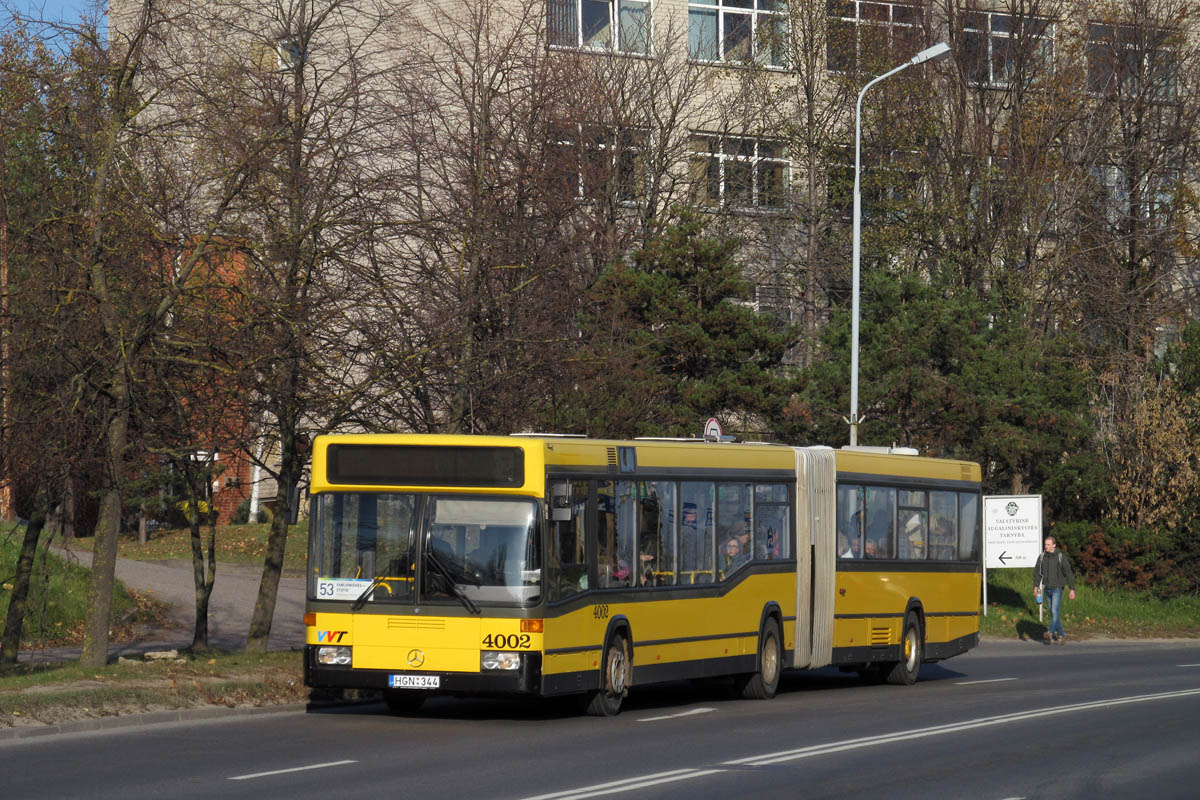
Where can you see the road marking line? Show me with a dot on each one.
(1187, 665)
(677, 716)
(293, 769)
(626, 785)
(920, 733)
(993, 680)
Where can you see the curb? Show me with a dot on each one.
(151, 718)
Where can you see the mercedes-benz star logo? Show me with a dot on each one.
(415, 658)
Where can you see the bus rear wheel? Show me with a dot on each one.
(904, 672)
(763, 683)
(614, 681)
(402, 701)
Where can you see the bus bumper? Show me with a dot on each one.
(526, 680)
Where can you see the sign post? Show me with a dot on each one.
(712, 429)
(1012, 533)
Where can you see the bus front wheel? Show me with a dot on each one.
(614, 681)
(904, 672)
(763, 683)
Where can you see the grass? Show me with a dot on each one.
(1120, 614)
(236, 544)
(57, 603)
(31, 695)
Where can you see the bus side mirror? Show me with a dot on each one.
(560, 502)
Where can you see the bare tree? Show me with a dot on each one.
(298, 85)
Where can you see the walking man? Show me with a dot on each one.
(1050, 574)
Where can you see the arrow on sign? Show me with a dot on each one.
(1002, 558)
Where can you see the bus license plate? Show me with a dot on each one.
(415, 681)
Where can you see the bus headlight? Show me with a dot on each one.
(334, 655)
(490, 659)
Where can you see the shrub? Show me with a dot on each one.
(1112, 555)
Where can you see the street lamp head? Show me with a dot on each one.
(938, 51)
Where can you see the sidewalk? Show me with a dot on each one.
(230, 607)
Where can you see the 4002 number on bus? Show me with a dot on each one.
(511, 641)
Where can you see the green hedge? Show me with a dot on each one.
(1111, 555)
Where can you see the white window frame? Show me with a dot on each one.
(728, 152)
(615, 143)
(614, 43)
(768, 13)
(994, 31)
(835, 14)
(1112, 44)
(289, 53)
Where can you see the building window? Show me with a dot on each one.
(889, 189)
(595, 162)
(1132, 60)
(289, 53)
(861, 31)
(739, 172)
(992, 43)
(620, 25)
(1144, 196)
(738, 31)
(775, 301)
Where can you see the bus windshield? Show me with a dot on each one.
(398, 548)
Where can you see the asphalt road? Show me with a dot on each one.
(1010, 719)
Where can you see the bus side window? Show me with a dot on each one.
(696, 532)
(605, 533)
(968, 527)
(849, 521)
(943, 525)
(880, 523)
(566, 568)
(656, 533)
(772, 537)
(733, 527)
(626, 558)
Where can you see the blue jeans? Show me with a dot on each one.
(1054, 596)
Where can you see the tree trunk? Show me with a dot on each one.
(108, 526)
(204, 571)
(15, 620)
(268, 588)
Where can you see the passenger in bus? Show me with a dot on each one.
(843, 546)
(869, 550)
(647, 577)
(914, 537)
(735, 556)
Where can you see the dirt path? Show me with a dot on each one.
(230, 606)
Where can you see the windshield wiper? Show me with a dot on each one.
(362, 598)
(444, 571)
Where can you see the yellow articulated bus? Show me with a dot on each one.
(553, 565)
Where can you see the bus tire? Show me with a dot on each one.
(764, 682)
(904, 672)
(614, 681)
(402, 701)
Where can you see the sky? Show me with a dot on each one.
(66, 10)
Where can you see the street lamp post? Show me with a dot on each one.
(939, 50)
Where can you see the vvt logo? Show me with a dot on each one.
(330, 636)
